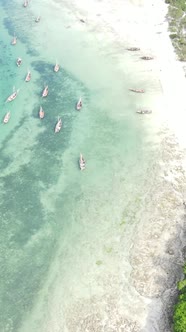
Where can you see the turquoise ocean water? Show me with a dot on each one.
(65, 235)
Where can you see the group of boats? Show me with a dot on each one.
(58, 125)
(140, 90)
(25, 4)
(144, 57)
(44, 94)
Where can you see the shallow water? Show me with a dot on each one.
(66, 235)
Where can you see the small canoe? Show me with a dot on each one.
(147, 58)
(19, 62)
(58, 125)
(25, 4)
(81, 162)
(38, 18)
(79, 104)
(133, 49)
(56, 68)
(137, 90)
(28, 77)
(13, 96)
(41, 113)
(14, 41)
(45, 91)
(6, 118)
(144, 112)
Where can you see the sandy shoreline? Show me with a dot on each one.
(156, 257)
(157, 254)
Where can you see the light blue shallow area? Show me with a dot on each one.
(63, 231)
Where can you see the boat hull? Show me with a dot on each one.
(6, 118)
(137, 90)
(12, 97)
(28, 77)
(45, 92)
(58, 126)
(56, 68)
(82, 163)
(144, 112)
(79, 105)
(41, 113)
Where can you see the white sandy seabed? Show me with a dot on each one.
(157, 255)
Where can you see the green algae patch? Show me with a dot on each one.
(99, 263)
(108, 249)
(122, 222)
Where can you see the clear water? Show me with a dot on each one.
(66, 236)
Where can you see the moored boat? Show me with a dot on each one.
(137, 90)
(13, 96)
(19, 62)
(38, 18)
(133, 49)
(144, 112)
(45, 91)
(6, 118)
(41, 113)
(79, 104)
(14, 40)
(58, 125)
(147, 58)
(81, 162)
(28, 77)
(25, 4)
(56, 67)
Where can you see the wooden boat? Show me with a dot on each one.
(133, 49)
(79, 104)
(19, 62)
(56, 67)
(45, 91)
(144, 112)
(6, 118)
(147, 58)
(14, 40)
(41, 113)
(81, 162)
(58, 125)
(38, 18)
(137, 90)
(25, 4)
(28, 77)
(13, 96)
